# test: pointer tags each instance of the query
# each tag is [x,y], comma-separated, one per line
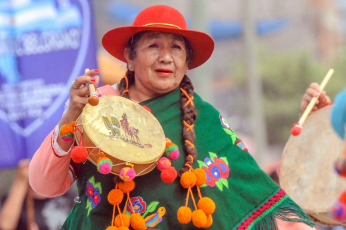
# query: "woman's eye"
[177,46]
[153,46]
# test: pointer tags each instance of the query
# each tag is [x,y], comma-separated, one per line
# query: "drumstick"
[93,99]
[297,127]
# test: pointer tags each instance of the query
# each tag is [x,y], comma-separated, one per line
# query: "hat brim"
[115,41]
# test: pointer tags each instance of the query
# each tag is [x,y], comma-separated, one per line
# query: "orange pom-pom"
[188,179]
[79,154]
[112,228]
[169,174]
[65,129]
[93,100]
[126,186]
[201,176]
[126,221]
[209,221]
[207,205]
[137,222]
[199,219]
[184,215]
[123,228]
[115,196]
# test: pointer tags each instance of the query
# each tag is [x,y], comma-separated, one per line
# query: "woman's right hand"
[311,92]
[79,94]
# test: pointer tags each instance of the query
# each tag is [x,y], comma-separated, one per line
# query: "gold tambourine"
[122,131]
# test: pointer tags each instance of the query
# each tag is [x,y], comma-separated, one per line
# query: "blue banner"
[44,46]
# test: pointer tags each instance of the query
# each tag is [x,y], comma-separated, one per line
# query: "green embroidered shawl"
[245,197]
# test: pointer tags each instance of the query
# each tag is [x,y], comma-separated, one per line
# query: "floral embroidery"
[236,140]
[232,134]
[93,192]
[138,205]
[241,145]
[217,171]
[224,123]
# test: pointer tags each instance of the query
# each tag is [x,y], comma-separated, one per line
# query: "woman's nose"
[165,55]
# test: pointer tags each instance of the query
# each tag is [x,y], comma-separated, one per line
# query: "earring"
[129,66]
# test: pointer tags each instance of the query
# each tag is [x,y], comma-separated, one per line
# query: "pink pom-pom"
[169,174]
[104,168]
[338,212]
[127,174]
[163,163]
[340,166]
[104,165]
[296,130]
[79,154]
[173,154]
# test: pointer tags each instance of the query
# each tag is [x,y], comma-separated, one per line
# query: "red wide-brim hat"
[160,18]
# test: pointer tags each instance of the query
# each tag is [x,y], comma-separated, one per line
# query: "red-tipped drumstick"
[93,99]
[297,127]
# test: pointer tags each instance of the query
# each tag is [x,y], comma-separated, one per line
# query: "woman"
[159,50]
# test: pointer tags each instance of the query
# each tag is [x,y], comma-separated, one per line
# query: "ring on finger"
[74,86]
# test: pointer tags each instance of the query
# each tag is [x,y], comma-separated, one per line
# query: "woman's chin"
[165,89]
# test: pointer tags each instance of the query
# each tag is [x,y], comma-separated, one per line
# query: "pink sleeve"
[50,173]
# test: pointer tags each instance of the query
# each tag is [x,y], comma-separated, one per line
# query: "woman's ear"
[127,54]
[128,60]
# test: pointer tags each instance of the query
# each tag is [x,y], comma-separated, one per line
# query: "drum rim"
[285,186]
[124,100]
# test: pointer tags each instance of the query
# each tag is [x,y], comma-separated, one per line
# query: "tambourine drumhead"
[124,131]
[307,169]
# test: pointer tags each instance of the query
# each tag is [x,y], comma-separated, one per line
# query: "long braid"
[189,117]
[125,83]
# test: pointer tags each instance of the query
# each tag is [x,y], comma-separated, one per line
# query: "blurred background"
[267,52]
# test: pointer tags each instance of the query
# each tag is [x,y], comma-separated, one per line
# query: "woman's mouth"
[164,72]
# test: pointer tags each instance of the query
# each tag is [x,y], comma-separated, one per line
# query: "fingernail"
[93,79]
[97,70]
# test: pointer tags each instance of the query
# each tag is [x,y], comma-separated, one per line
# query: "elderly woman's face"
[159,64]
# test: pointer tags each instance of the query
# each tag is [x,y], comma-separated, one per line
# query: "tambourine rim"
[125,100]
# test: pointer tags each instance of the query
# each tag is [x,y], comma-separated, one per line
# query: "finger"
[315,86]
[77,103]
[303,105]
[87,78]
[81,92]
[92,72]
[307,98]
[323,96]
[95,81]
[312,92]
[79,82]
